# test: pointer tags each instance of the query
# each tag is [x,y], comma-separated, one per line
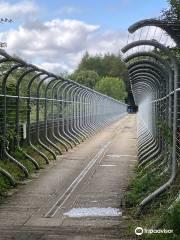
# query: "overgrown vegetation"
[104,73]
[166,133]
[172,15]
[158,214]
[15,170]
[113,87]
[142,185]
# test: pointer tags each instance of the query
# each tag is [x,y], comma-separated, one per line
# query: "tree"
[105,65]
[113,87]
[172,15]
[102,66]
[85,77]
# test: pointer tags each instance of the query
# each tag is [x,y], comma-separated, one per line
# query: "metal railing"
[43,114]
[154,78]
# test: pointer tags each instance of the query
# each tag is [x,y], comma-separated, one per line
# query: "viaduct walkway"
[78,196]
[44,117]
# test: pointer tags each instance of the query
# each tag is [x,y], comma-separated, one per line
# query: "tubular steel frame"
[155,87]
[45,114]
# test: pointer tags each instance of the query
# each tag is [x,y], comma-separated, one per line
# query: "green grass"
[170,220]
[155,214]
[36,156]
[141,185]
[15,171]
[4,184]
[23,160]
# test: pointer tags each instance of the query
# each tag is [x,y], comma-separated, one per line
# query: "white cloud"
[55,67]
[68,10]
[56,41]
[57,44]
[60,44]
[16,10]
[108,42]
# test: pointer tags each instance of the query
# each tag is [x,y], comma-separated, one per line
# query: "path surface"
[88,180]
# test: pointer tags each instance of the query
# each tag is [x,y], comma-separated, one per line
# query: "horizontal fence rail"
[42,115]
[155,82]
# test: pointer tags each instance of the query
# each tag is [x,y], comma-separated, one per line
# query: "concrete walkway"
[79,196]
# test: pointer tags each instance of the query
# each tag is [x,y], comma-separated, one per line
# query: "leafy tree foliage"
[113,87]
[104,73]
[107,65]
[172,15]
[85,77]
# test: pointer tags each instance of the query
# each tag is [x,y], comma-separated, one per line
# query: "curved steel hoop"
[43,114]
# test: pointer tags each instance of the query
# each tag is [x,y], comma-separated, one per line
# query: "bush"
[172,218]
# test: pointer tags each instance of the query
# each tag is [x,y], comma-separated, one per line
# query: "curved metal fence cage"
[154,78]
[42,114]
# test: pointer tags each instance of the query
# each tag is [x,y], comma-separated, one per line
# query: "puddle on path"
[93,212]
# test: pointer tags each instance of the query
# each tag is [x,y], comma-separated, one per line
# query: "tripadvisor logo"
[139,231]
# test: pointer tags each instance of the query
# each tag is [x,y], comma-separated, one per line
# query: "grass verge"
[15,171]
[157,214]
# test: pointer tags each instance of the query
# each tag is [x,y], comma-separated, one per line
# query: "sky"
[55,34]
